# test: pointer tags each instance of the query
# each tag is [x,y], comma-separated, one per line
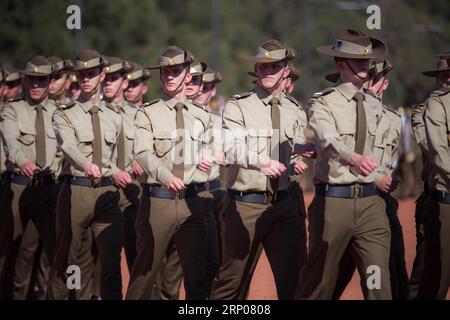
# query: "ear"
[188,77]
[102,76]
[125,84]
[67,84]
[214,92]
[287,71]
[144,89]
[385,84]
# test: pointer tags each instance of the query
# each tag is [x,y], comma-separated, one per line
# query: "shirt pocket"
[85,139]
[347,131]
[27,134]
[163,142]
[259,141]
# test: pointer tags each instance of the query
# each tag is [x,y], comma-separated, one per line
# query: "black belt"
[38,180]
[191,190]
[346,191]
[212,185]
[85,182]
[258,197]
[440,196]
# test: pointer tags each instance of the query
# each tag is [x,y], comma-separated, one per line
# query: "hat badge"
[84,64]
[107,68]
[170,62]
[35,69]
[366,51]
[266,54]
[129,76]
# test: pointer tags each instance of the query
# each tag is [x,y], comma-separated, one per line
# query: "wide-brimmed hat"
[442,66]
[198,68]
[444,54]
[10,73]
[351,44]
[380,69]
[115,64]
[272,51]
[39,66]
[211,76]
[87,59]
[60,64]
[138,72]
[173,56]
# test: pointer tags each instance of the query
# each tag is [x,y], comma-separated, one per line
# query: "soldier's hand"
[394,184]
[122,179]
[28,169]
[307,150]
[300,167]
[137,169]
[273,169]
[384,184]
[205,163]
[92,171]
[365,165]
[222,159]
[174,184]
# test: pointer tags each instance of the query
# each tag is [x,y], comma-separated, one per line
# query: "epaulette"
[64,106]
[241,95]
[391,109]
[147,104]
[15,99]
[323,93]
[443,92]
[199,106]
[292,99]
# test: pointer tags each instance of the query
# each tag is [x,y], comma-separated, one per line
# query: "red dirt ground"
[263,287]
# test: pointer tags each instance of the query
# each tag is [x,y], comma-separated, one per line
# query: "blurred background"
[222,31]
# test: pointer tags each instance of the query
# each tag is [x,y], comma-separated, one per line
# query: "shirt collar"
[263,95]
[171,102]
[348,90]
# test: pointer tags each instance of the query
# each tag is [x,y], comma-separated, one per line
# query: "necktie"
[361,127]
[40,137]
[97,142]
[121,149]
[272,184]
[178,166]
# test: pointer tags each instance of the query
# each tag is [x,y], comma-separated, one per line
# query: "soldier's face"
[380,86]
[36,87]
[12,89]
[207,92]
[89,79]
[193,87]
[135,91]
[270,73]
[174,78]
[58,81]
[113,84]
[444,79]
[349,67]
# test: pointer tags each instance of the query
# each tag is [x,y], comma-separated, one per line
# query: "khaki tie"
[121,149]
[97,143]
[361,127]
[272,184]
[178,167]
[40,137]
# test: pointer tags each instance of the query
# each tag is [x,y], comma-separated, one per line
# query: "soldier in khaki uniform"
[32,164]
[386,181]
[13,83]
[346,210]
[261,129]
[137,84]
[88,130]
[169,138]
[418,127]
[435,278]
[28,274]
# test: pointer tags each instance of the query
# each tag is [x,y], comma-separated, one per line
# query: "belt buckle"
[95,183]
[182,193]
[357,191]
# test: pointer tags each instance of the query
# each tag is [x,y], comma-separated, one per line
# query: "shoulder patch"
[15,99]
[392,110]
[63,106]
[147,104]
[242,95]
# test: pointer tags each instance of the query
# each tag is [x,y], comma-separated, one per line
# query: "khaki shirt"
[332,116]
[390,159]
[419,132]
[216,144]
[155,139]
[19,132]
[248,137]
[437,126]
[128,112]
[73,124]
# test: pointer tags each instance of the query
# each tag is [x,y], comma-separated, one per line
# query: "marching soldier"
[61,80]
[435,278]
[32,163]
[137,84]
[13,83]
[346,210]
[88,131]
[116,81]
[169,137]
[261,129]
